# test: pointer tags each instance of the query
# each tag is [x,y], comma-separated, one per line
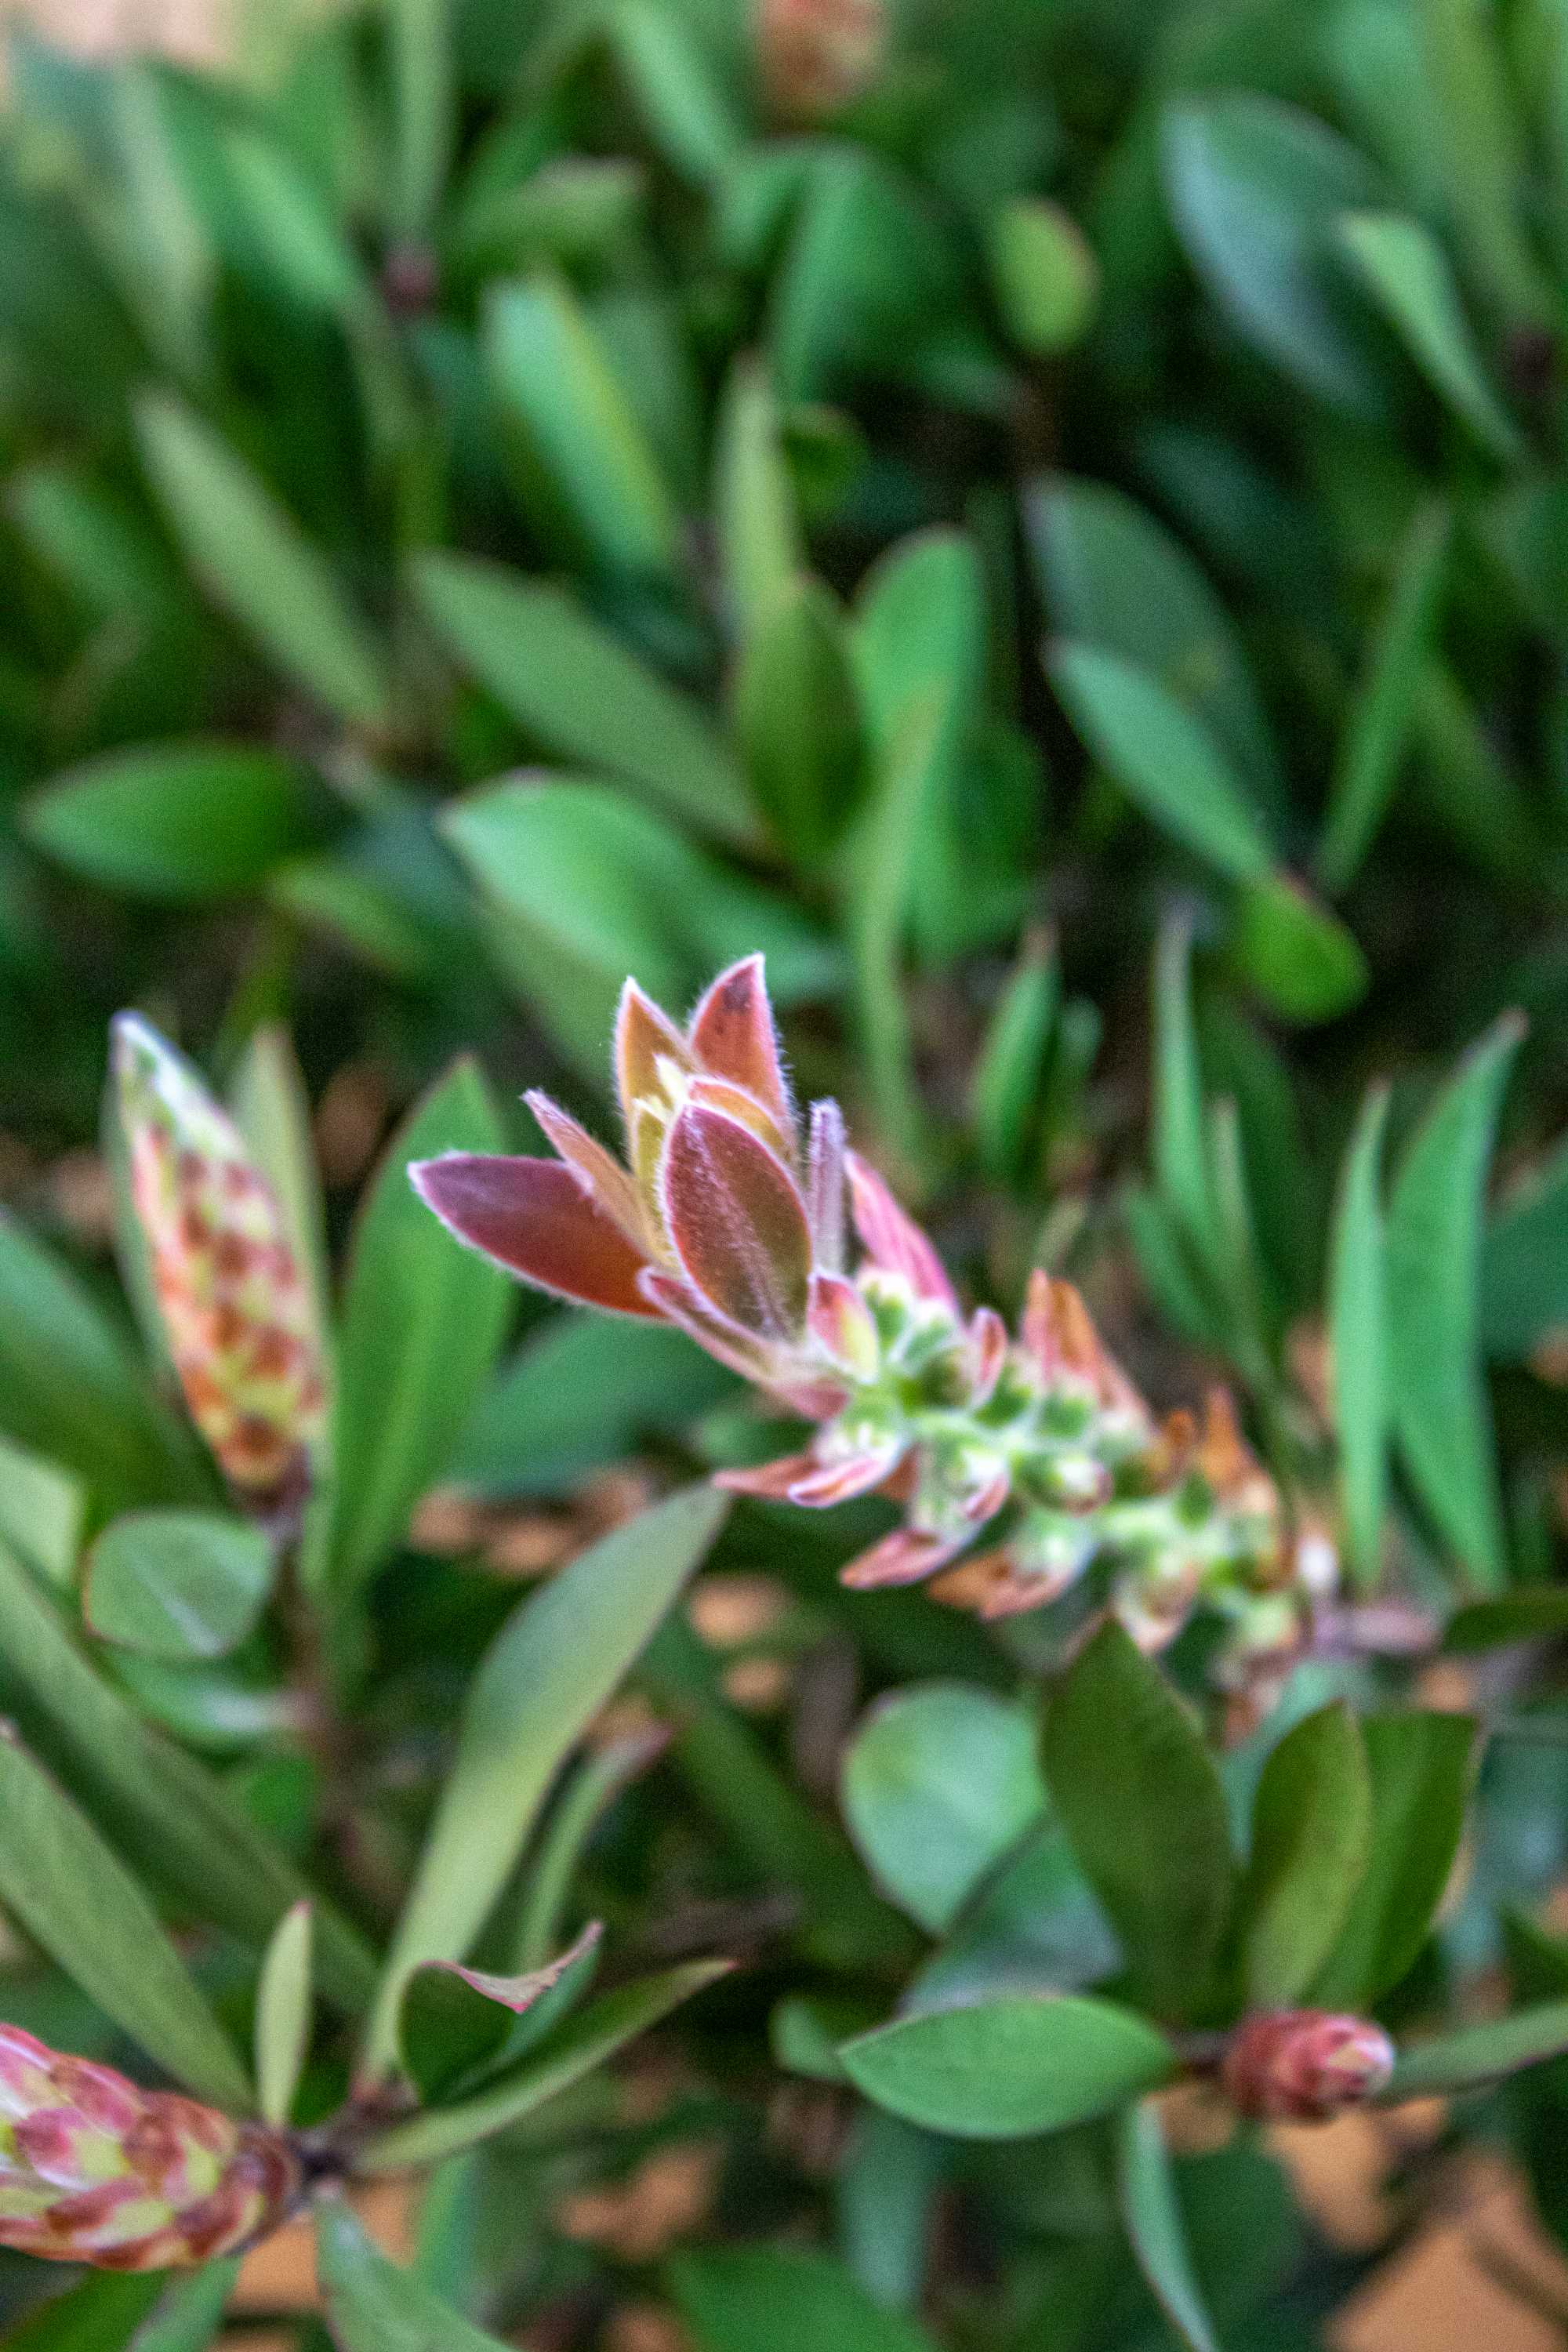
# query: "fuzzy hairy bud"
[230,1291]
[94,2169]
[1304,2065]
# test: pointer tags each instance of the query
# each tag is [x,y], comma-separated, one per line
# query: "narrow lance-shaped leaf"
[460,2023]
[1383,710]
[253,561]
[582,693]
[184,822]
[1358,1333]
[153,1799]
[75,1899]
[374,2307]
[1434,1239]
[283,1999]
[584,2042]
[1146,2192]
[1410,276]
[421,1325]
[759,533]
[1477,2055]
[776,2298]
[550,1670]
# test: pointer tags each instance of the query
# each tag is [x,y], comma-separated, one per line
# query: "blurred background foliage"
[1058,540]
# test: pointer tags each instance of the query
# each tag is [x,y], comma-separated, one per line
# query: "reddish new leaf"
[891,1239]
[732,1036]
[737,1222]
[534,1217]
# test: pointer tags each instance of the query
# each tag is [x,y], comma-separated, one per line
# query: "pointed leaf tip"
[737,1222]
[534,1217]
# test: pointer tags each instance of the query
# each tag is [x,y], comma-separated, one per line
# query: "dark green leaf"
[1529,1613]
[1421,1767]
[252,558]
[423,1324]
[457,2021]
[779,2299]
[1434,1238]
[1312,1826]
[1524,1262]
[1480,2055]
[1142,1804]
[797,719]
[581,692]
[1162,757]
[1410,276]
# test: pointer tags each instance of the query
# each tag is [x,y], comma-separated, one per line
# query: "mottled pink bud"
[230,1291]
[1304,2065]
[94,2169]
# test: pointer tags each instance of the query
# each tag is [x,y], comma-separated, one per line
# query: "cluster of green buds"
[1020,1462]
[230,1291]
[95,2169]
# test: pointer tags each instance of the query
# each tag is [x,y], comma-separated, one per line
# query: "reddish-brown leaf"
[732,1036]
[534,1217]
[736,1220]
[890,1237]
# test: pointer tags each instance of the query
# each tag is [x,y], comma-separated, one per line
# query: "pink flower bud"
[818,55]
[230,1291]
[95,2169]
[1304,2065]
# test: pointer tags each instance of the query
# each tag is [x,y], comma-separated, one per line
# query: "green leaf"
[880,869]
[1480,2055]
[422,1323]
[1162,757]
[1524,1262]
[581,693]
[1421,1766]
[424,111]
[1010,2066]
[1478,152]
[574,2050]
[1255,189]
[175,821]
[372,2305]
[1434,1239]
[1410,276]
[1312,1826]
[797,719]
[253,560]
[64,1888]
[1383,710]
[1009,1081]
[688,114]
[1113,577]
[189,2314]
[1358,1341]
[555,1662]
[780,2299]
[584,460]
[42,1510]
[761,543]
[177,1584]
[457,2021]
[283,1997]
[588,886]
[103,2314]
[1295,953]
[151,1798]
[71,1389]
[1529,1613]
[1146,2192]
[1044,275]
[1182,1166]
[1141,1800]
[937,1784]
[583,1391]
